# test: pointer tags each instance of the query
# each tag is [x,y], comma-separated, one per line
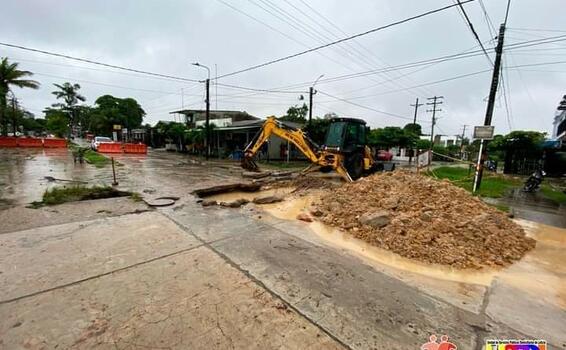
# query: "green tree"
[422,144]
[414,129]
[317,130]
[389,136]
[10,75]
[296,114]
[110,110]
[57,122]
[69,94]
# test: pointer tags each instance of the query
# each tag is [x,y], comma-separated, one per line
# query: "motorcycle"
[533,182]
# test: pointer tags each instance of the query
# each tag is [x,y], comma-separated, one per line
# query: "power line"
[96,62]
[475,34]
[275,30]
[423,84]
[307,29]
[537,30]
[490,25]
[340,41]
[507,12]
[365,107]
[261,90]
[371,59]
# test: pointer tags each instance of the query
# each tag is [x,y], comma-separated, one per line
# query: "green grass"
[96,159]
[492,185]
[553,194]
[60,195]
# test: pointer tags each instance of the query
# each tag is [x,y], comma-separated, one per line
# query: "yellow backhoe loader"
[344,151]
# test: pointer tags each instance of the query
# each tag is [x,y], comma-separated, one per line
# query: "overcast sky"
[166,36]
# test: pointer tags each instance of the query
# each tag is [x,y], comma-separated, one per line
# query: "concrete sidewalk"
[136,281]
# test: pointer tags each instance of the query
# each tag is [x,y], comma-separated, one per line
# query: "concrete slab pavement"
[136,281]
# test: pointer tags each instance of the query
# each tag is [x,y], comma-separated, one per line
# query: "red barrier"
[54,143]
[135,148]
[29,142]
[109,147]
[8,141]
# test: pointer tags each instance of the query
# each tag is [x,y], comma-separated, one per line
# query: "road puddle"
[233,196]
[541,272]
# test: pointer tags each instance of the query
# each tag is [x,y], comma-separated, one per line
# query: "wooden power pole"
[490,104]
[436,100]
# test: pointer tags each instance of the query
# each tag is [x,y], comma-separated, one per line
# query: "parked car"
[384,156]
[98,140]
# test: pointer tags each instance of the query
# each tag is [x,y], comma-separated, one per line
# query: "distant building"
[197,117]
[234,130]
[559,129]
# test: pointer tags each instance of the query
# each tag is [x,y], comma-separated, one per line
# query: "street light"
[207,123]
[312,91]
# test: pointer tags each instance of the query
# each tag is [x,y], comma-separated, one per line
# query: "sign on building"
[483,132]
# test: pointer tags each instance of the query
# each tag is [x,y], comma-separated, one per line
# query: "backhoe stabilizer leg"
[344,173]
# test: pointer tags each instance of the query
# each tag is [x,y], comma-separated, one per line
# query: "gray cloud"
[165,36]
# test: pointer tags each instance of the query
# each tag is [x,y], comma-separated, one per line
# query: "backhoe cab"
[347,136]
[344,151]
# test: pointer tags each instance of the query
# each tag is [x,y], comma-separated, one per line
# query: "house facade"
[559,124]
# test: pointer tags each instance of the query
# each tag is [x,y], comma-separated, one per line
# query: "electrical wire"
[339,41]
[96,62]
[474,33]
[365,107]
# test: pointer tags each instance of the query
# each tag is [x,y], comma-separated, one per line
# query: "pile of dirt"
[424,219]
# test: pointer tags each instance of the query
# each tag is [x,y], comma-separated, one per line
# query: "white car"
[98,140]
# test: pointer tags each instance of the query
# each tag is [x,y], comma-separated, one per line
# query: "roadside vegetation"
[492,185]
[553,194]
[60,195]
[95,158]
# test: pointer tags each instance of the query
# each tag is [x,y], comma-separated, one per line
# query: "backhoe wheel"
[355,166]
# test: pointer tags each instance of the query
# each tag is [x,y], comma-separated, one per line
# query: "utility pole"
[435,102]
[416,105]
[207,127]
[311,93]
[462,141]
[490,104]
[207,101]
[14,116]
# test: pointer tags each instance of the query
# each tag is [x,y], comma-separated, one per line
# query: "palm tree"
[10,75]
[69,93]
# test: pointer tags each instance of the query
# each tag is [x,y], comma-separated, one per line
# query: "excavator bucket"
[249,164]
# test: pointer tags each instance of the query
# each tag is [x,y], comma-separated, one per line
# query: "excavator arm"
[298,138]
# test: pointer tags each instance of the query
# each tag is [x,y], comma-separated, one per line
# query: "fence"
[10,141]
[135,148]
[109,147]
[54,143]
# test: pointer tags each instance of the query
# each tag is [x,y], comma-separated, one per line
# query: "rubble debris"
[255,175]
[234,204]
[244,187]
[267,200]
[376,219]
[208,202]
[305,217]
[425,219]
